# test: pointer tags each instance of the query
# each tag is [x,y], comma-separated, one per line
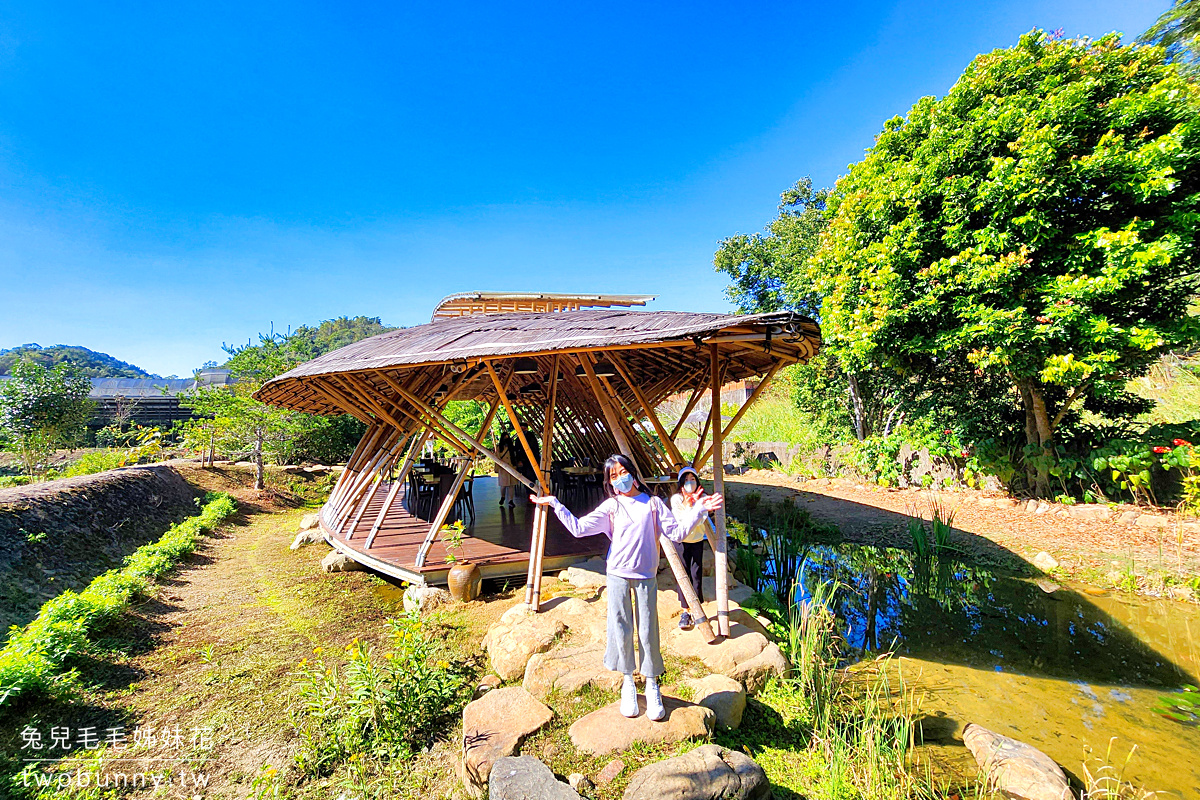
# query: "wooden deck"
[498,540]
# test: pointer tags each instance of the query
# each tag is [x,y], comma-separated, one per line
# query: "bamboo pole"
[649,412]
[459,481]
[417,443]
[443,512]
[516,423]
[758,390]
[720,557]
[459,432]
[533,592]
[687,409]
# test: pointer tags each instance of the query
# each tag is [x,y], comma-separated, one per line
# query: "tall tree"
[1035,228]
[42,410]
[1178,30]
[769,271]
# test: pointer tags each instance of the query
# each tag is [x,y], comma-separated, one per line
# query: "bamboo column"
[417,443]
[533,590]
[720,557]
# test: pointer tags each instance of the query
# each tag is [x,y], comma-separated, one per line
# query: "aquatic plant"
[1104,781]
[1182,707]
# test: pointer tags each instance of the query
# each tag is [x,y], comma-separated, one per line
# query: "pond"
[1064,668]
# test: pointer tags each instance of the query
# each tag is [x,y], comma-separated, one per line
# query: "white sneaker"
[654,701]
[629,701]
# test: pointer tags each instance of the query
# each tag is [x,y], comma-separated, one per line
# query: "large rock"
[587,574]
[307,536]
[1015,768]
[709,772]
[509,645]
[309,521]
[339,562]
[424,599]
[494,727]
[568,670]
[746,656]
[605,730]
[520,632]
[526,778]
[1045,562]
[725,696]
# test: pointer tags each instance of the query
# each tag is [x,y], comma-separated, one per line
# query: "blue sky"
[174,176]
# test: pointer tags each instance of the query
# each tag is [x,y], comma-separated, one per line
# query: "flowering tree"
[1034,229]
[42,410]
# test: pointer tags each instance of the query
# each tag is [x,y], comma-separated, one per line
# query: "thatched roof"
[456,345]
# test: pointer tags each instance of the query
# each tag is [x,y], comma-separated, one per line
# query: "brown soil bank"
[60,534]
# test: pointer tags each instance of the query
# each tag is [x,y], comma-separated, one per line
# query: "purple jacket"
[633,524]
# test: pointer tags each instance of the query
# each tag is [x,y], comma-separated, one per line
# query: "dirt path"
[210,655]
[1005,536]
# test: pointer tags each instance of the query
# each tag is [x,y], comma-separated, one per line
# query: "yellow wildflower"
[317,651]
[443,665]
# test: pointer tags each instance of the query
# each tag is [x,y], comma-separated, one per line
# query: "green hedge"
[33,657]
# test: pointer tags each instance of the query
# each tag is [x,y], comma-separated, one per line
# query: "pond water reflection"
[1060,668]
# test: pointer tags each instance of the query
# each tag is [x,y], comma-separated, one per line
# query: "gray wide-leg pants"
[622,610]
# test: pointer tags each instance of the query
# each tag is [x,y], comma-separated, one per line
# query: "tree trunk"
[1037,432]
[258,461]
[858,414]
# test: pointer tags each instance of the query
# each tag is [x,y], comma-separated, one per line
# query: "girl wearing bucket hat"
[691,549]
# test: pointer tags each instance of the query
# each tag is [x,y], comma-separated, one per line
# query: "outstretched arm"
[598,521]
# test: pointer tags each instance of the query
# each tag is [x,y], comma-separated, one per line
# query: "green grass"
[1175,390]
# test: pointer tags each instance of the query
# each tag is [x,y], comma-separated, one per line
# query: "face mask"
[623,484]
[689,486]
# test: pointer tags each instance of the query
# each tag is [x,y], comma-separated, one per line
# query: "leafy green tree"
[1178,30]
[775,270]
[233,419]
[769,271]
[237,421]
[42,410]
[334,333]
[1030,237]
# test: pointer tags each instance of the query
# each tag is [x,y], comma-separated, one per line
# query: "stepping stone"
[569,669]
[494,727]
[526,778]
[1017,769]
[306,536]
[709,772]
[746,656]
[606,731]
[510,645]
[723,695]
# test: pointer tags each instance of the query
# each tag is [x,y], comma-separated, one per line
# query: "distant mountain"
[93,364]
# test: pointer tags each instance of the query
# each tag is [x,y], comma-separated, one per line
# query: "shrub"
[387,707]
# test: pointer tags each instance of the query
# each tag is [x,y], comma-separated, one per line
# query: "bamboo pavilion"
[579,377]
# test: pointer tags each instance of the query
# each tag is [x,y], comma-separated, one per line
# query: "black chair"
[466,499]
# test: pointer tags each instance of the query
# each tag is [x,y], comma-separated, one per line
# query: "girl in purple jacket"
[633,519]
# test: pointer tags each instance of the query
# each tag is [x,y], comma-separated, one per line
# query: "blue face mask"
[624,483]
